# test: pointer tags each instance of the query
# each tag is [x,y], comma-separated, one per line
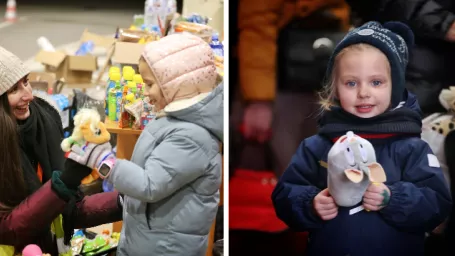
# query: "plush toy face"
[88,127]
[351,167]
[95,133]
[89,124]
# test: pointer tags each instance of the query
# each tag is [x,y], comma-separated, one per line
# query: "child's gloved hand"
[325,205]
[376,197]
[91,154]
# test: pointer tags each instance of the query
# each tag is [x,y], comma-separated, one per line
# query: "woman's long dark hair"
[12,184]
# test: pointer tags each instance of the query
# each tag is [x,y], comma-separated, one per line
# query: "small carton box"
[127,53]
[74,69]
[43,81]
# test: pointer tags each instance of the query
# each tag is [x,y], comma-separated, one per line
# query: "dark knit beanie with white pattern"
[393,39]
[12,69]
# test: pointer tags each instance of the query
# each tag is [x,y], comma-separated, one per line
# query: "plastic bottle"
[217,46]
[113,69]
[114,77]
[128,77]
[118,100]
[131,87]
[45,44]
[85,48]
[112,105]
[126,68]
[139,85]
[151,13]
[130,98]
[172,7]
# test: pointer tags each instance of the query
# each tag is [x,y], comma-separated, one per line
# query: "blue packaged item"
[79,232]
[61,100]
[85,48]
[156,29]
[217,46]
[107,186]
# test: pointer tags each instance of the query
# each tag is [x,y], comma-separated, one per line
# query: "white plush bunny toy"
[351,168]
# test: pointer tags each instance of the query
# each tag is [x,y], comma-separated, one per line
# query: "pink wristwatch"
[105,167]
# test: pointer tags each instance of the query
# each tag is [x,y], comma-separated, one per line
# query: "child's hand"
[376,197]
[325,205]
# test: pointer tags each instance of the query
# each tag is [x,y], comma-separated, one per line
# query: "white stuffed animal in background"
[351,168]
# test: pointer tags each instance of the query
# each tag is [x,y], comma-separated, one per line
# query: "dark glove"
[73,174]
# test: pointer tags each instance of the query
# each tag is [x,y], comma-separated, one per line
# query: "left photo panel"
[111,116]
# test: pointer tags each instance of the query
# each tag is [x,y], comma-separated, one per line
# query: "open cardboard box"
[42,81]
[74,69]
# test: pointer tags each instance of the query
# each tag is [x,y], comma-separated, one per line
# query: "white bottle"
[45,45]
[172,5]
[151,13]
[162,13]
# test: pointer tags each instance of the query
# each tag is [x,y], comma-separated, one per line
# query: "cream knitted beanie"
[11,70]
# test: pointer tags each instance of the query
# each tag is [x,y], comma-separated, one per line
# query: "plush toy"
[88,128]
[447,98]
[351,168]
[437,126]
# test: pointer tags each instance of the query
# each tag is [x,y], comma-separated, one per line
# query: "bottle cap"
[138,79]
[131,84]
[130,97]
[128,75]
[114,76]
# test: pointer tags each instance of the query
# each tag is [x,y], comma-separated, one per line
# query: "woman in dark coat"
[37,184]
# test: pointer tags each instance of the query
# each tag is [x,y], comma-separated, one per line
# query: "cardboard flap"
[127,53]
[98,40]
[50,78]
[82,63]
[53,59]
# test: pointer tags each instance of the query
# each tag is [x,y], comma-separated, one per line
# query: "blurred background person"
[433,56]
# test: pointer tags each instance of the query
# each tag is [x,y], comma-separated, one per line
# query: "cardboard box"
[74,69]
[43,81]
[98,40]
[127,53]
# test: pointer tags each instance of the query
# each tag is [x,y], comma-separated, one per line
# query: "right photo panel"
[341,120]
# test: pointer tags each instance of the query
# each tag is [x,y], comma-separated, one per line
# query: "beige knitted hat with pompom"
[12,69]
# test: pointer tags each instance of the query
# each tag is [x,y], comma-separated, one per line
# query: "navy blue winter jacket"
[419,202]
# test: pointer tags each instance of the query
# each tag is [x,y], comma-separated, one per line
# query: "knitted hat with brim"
[12,69]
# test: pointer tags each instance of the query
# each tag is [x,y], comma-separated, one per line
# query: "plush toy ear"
[354,175]
[377,173]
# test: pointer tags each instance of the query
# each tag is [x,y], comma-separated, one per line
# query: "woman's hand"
[91,155]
